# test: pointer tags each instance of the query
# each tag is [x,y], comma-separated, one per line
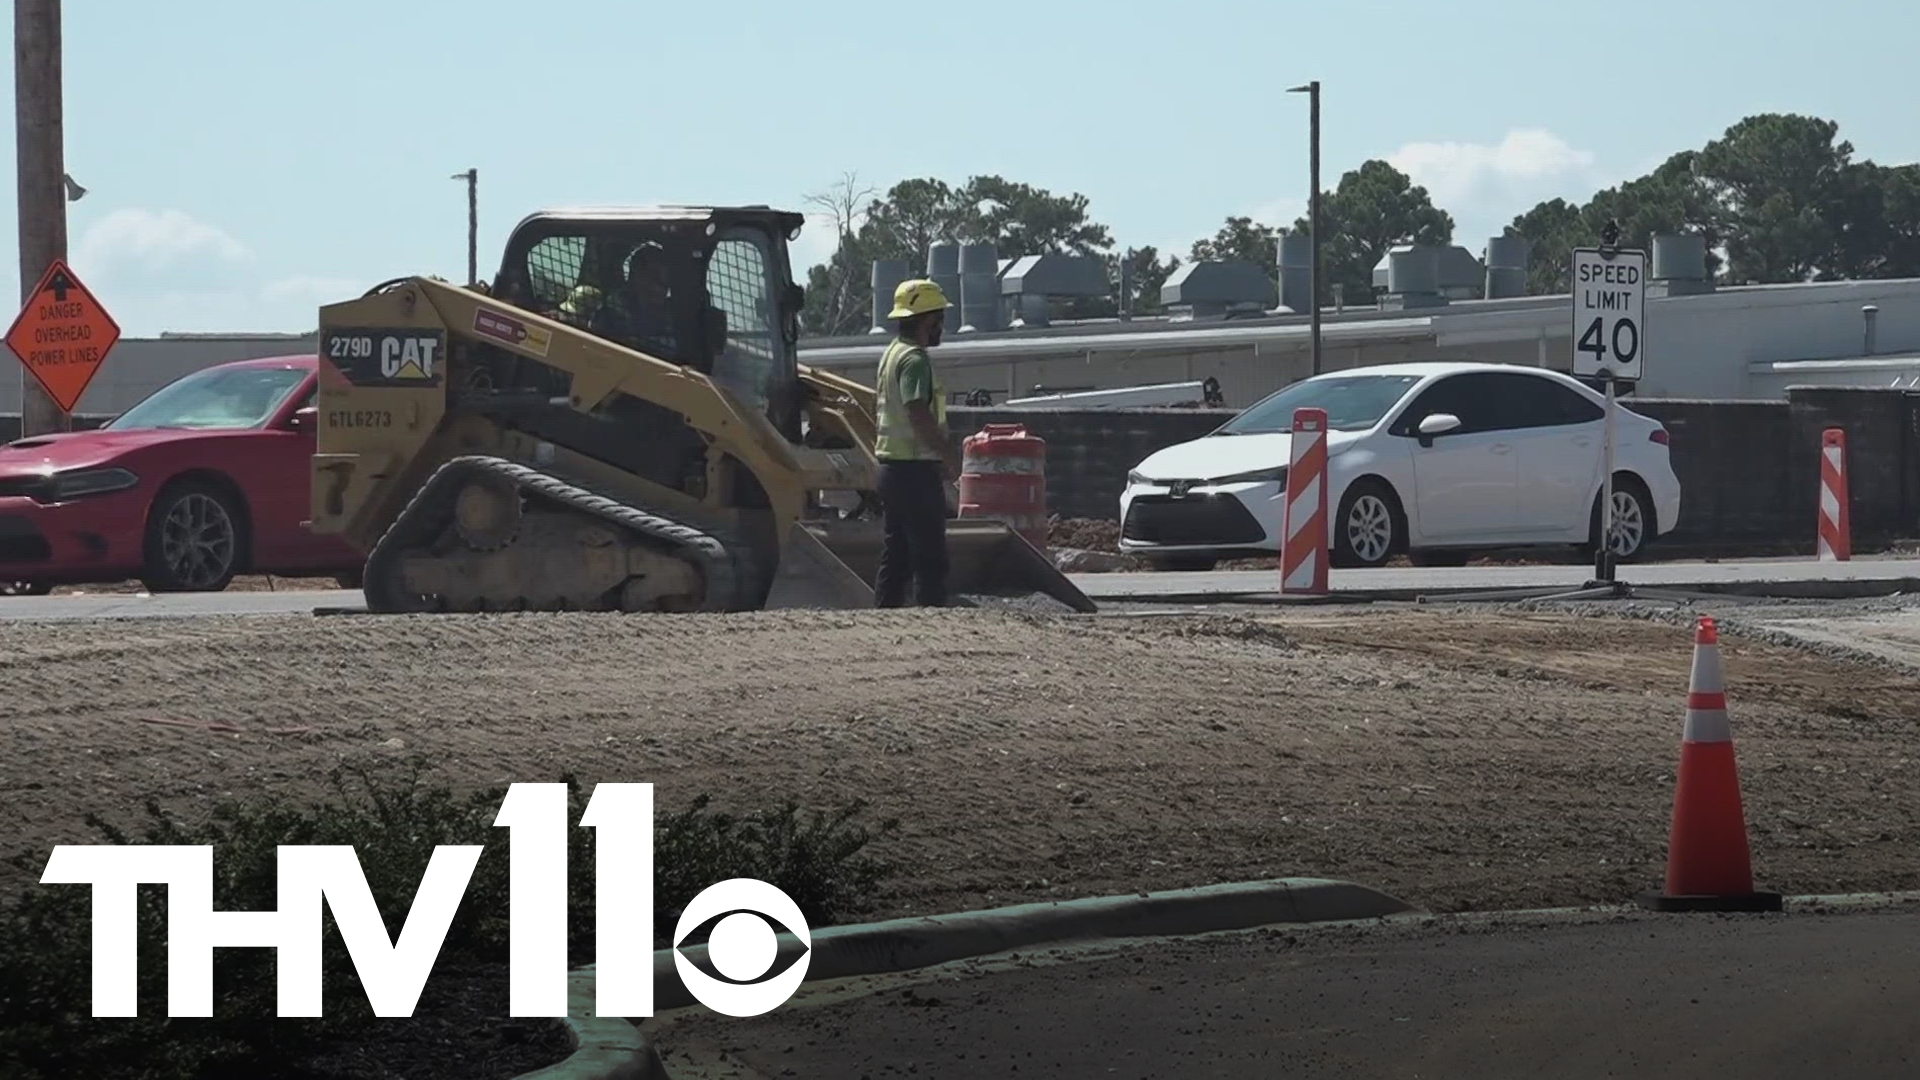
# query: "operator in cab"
[916,463]
[641,314]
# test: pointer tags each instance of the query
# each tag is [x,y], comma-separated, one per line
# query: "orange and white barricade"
[1303,549]
[1836,531]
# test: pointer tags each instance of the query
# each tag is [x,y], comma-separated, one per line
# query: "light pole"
[472,177]
[1312,90]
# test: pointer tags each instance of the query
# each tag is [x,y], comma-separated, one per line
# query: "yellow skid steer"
[617,423]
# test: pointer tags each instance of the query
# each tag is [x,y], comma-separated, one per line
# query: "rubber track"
[731,582]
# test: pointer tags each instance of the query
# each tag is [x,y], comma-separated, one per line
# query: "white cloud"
[1468,174]
[314,289]
[155,239]
[1281,213]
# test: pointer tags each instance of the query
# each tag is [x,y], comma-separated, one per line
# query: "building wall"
[1707,353]
[1246,374]
[1749,470]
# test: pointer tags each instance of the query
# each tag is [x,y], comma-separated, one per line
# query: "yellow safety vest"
[897,440]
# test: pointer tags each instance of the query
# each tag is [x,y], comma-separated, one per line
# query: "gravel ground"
[1465,760]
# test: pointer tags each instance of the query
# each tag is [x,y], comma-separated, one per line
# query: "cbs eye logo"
[742,947]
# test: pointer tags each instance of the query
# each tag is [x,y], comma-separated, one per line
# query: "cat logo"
[408,358]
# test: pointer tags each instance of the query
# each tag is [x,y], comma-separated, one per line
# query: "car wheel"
[1182,563]
[1368,529]
[194,540]
[1633,522]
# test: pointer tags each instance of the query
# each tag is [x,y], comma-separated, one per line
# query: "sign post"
[1609,335]
[1609,344]
[61,336]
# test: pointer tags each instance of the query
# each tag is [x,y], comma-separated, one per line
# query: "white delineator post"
[1303,552]
[1835,532]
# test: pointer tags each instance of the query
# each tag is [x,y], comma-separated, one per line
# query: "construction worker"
[916,462]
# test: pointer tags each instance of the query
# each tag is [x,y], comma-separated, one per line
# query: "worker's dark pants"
[913,503]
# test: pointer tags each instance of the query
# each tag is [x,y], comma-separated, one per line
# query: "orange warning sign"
[62,335]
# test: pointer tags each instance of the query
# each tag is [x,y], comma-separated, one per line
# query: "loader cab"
[710,288]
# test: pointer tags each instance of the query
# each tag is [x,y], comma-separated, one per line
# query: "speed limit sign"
[1609,305]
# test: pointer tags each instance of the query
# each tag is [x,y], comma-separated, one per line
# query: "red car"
[206,478]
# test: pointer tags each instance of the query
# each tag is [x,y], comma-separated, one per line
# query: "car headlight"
[1135,477]
[1255,476]
[60,487]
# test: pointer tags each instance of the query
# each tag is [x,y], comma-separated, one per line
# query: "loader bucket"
[834,564]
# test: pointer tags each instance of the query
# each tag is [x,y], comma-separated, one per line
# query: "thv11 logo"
[742,946]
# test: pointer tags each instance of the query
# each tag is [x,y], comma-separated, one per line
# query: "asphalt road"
[1774,997]
[1785,577]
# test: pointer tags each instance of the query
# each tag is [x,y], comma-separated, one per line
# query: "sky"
[247,161]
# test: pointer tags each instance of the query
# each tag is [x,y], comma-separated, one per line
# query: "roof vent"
[1218,290]
[1507,266]
[1035,279]
[1679,266]
[943,266]
[979,288]
[887,276]
[1413,279]
[1296,272]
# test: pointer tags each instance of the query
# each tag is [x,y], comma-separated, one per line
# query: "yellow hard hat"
[917,296]
[583,299]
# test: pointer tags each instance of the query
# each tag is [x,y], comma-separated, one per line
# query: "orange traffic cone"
[1708,864]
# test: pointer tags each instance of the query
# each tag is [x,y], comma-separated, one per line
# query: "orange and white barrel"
[1003,476]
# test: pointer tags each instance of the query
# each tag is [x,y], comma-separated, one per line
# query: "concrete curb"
[604,1047]
[1784,589]
[906,944]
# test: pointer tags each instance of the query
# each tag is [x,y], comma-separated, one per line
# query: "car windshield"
[1353,403]
[215,398]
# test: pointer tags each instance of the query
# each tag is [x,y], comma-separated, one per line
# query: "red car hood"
[82,449]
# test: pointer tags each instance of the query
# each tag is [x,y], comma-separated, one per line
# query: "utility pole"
[41,170]
[472,177]
[1312,90]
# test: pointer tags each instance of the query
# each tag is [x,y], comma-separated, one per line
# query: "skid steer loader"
[616,423]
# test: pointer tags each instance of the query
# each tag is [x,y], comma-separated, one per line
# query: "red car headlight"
[59,487]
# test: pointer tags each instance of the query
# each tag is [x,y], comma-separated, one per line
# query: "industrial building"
[1704,339]
[1231,323]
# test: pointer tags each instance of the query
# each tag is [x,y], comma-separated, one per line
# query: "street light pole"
[1312,90]
[472,177]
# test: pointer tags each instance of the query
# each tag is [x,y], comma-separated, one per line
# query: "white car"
[1433,460]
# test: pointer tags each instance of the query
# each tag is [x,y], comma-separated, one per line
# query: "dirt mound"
[1462,760]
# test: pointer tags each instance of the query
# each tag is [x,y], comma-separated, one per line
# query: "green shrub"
[394,824]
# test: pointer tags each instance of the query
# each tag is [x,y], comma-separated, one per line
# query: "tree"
[1779,193]
[1375,208]
[1244,239]
[835,288]
[1779,182]
[1018,219]
[1149,274]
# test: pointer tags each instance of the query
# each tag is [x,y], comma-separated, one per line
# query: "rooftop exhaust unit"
[1678,266]
[943,266]
[1420,276]
[1218,290]
[979,297]
[1296,273]
[887,276]
[1035,279]
[1507,266]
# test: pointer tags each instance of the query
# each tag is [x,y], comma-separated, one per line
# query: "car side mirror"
[1437,424]
[303,419]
